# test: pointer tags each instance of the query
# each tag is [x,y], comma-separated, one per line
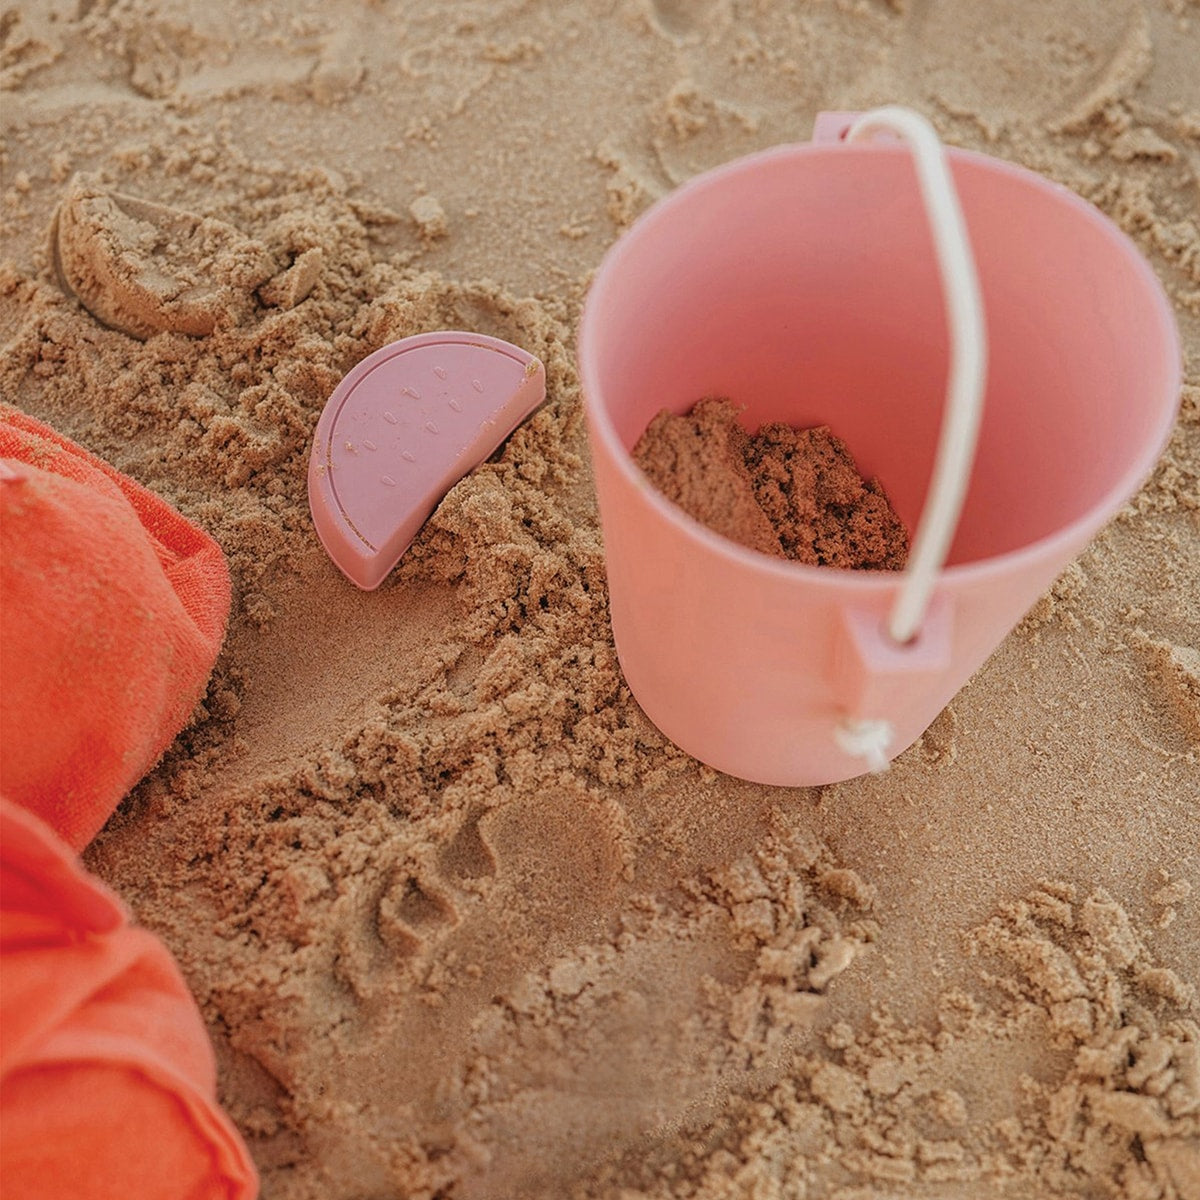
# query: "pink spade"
[401,430]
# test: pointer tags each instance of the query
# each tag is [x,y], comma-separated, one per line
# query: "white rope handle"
[968,363]
[869,738]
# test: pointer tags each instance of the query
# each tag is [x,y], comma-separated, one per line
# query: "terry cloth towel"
[107,1079]
[112,611]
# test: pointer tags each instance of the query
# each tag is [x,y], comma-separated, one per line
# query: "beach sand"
[461,922]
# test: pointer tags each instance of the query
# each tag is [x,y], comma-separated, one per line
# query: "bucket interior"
[803,286]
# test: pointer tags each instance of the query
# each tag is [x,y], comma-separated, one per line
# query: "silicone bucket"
[801,282]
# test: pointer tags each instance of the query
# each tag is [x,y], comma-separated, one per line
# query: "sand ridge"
[460,920]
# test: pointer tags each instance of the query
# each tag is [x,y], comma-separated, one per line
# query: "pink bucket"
[801,283]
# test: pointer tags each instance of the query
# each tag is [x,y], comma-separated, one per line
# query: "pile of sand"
[792,493]
[460,920]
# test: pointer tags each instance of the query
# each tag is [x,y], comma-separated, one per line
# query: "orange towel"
[112,610]
[107,1079]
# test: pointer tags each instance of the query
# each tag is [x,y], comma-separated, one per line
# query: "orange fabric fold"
[107,1079]
[112,611]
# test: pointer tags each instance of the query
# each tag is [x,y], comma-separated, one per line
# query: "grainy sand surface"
[461,922]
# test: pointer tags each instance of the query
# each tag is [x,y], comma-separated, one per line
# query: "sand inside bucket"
[793,493]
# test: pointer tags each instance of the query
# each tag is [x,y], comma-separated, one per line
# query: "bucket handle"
[968,363]
[869,738]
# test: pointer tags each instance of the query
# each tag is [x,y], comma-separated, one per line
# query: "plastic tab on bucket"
[835,127]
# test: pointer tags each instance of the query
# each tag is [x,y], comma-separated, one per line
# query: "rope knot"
[866,738]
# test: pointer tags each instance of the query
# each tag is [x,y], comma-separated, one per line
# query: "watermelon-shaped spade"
[401,430]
